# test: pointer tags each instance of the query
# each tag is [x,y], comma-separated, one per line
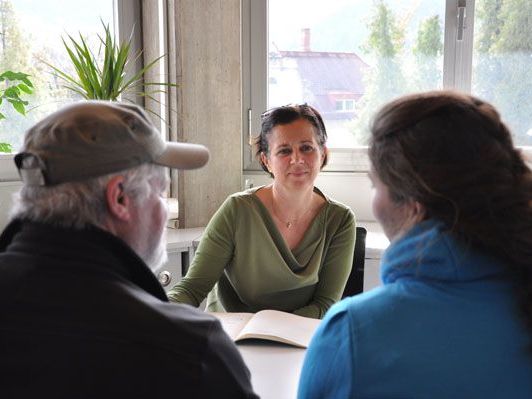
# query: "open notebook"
[272,325]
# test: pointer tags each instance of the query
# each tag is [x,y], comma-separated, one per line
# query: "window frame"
[127,14]
[457,74]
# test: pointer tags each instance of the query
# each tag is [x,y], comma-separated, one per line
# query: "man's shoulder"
[176,325]
[188,320]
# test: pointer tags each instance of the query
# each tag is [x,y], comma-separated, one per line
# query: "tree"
[427,52]
[16,55]
[489,16]
[502,72]
[385,44]
[13,57]
[384,79]
[13,46]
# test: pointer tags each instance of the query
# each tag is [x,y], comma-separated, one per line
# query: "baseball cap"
[94,138]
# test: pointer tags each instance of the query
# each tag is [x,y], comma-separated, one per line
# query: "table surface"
[182,238]
[275,367]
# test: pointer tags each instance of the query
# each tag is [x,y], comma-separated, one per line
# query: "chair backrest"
[355,282]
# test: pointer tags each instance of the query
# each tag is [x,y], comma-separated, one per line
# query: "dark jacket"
[82,316]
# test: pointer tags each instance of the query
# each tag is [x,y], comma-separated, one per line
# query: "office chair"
[355,282]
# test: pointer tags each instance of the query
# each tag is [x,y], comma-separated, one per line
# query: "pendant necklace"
[289,223]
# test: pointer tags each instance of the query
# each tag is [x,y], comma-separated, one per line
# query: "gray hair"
[78,204]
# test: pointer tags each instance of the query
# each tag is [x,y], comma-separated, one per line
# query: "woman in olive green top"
[285,246]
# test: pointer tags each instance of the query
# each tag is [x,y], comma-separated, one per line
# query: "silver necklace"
[289,223]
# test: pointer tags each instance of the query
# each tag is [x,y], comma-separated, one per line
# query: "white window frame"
[457,72]
[127,14]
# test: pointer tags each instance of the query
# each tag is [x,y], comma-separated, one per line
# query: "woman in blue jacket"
[453,318]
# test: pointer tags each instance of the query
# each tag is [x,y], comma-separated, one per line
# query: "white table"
[275,368]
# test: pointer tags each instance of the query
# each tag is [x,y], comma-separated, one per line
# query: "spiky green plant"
[96,81]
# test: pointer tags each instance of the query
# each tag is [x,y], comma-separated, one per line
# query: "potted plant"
[13,85]
[105,80]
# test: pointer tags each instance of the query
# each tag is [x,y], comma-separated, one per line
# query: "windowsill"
[348,160]
[8,171]
[356,159]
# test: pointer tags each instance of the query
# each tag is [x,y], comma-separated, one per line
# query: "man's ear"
[118,202]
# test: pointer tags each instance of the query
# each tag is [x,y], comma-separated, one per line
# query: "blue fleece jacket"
[444,325]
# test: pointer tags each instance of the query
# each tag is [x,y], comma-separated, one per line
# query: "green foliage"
[18,52]
[385,80]
[13,85]
[428,51]
[516,29]
[489,17]
[386,36]
[502,71]
[107,81]
[14,49]
[429,42]
[6,147]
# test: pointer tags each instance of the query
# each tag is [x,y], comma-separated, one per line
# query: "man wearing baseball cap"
[81,313]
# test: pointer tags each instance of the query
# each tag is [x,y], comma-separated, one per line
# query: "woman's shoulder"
[247,195]
[331,202]
[336,208]
[241,200]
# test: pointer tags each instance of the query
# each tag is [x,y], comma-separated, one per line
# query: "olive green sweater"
[244,264]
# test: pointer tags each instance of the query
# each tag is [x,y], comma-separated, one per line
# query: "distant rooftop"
[327,79]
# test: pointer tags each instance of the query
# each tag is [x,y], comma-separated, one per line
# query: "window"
[344,105]
[347,58]
[31,35]
[502,61]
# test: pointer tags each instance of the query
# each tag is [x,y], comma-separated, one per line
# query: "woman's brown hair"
[453,154]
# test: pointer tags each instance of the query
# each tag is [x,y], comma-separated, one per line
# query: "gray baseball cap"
[94,138]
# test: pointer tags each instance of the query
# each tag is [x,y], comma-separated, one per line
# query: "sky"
[340,25]
[48,20]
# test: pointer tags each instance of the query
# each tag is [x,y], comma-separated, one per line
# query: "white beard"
[157,256]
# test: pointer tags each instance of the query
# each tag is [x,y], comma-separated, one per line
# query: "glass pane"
[31,34]
[502,62]
[348,57]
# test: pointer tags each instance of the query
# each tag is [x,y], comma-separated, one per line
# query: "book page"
[280,326]
[233,323]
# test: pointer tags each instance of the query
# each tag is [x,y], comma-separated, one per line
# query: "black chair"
[355,282]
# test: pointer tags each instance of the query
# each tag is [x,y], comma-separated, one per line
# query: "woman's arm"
[334,271]
[212,256]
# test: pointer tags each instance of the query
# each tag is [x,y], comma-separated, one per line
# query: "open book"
[272,325]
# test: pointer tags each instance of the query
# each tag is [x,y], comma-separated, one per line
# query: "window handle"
[250,133]
[461,19]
